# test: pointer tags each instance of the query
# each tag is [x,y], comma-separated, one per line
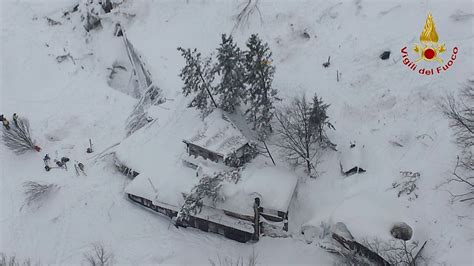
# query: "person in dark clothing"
[5,123]
[46,159]
[64,160]
[81,166]
[15,119]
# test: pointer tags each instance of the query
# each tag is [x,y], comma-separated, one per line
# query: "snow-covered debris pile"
[402,231]
[352,159]
[363,229]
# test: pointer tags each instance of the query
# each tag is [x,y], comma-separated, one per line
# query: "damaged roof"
[218,134]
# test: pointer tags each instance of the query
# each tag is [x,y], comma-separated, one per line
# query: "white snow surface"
[273,185]
[376,102]
[352,157]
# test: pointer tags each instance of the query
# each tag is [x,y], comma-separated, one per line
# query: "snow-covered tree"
[260,94]
[301,125]
[319,120]
[18,138]
[230,67]
[198,76]
[237,161]
[90,11]
[208,188]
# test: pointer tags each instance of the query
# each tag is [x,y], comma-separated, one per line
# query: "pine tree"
[18,138]
[259,77]
[231,69]
[197,76]
[208,188]
[319,118]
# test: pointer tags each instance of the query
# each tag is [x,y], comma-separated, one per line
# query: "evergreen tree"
[17,137]
[259,77]
[319,118]
[231,69]
[208,188]
[197,75]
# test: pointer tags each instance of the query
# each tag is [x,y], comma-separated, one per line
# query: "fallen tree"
[17,137]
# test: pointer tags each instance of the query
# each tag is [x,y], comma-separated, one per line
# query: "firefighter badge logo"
[429,50]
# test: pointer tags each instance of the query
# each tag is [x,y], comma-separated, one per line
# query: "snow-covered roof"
[164,176]
[218,216]
[274,186]
[218,134]
[352,156]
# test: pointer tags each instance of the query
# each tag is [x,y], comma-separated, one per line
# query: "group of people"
[6,123]
[62,163]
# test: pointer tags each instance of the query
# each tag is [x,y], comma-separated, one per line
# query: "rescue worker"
[46,159]
[81,166]
[63,162]
[15,119]
[5,123]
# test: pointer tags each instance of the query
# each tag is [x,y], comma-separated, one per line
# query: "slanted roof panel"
[218,134]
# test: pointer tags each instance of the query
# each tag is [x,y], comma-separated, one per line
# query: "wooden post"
[256,210]
[90,150]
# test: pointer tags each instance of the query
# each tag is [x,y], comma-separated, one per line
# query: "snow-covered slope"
[375,103]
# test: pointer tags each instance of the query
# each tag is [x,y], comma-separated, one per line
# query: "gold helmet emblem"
[429,49]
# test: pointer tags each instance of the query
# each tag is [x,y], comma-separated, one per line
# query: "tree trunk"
[268,151]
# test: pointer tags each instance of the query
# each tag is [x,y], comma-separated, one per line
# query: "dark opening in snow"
[385,55]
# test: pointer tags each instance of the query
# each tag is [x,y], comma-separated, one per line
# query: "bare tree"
[464,175]
[18,138]
[302,127]
[99,256]
[248,9]
[396,252]
[461,116]
[406,185]
[36,192]
[252,260]
[13,261]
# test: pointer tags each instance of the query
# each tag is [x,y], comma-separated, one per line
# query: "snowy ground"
[374,103]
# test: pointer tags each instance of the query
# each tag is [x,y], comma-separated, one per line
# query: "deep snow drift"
[375,103]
